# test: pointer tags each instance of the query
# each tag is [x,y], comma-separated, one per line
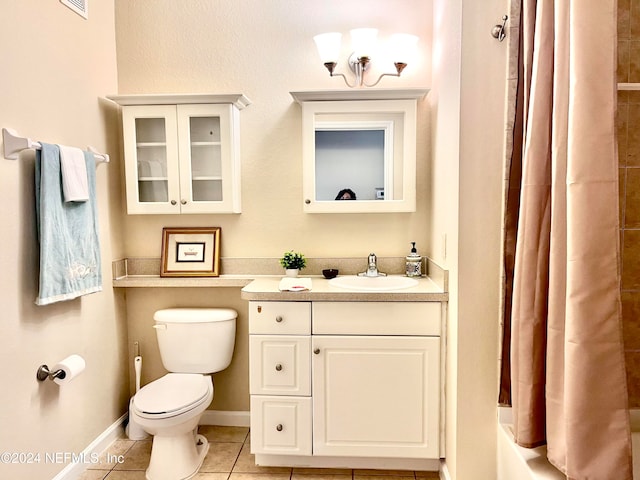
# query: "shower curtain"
[568,384]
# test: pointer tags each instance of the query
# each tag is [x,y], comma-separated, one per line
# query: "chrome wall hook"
[499,31]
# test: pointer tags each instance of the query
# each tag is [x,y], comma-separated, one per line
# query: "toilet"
[193,342]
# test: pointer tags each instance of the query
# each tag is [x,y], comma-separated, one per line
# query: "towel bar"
[14,144]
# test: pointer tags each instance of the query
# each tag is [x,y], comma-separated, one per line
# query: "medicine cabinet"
[362,142]
[181,152]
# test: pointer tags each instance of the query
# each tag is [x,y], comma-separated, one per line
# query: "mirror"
[363,149]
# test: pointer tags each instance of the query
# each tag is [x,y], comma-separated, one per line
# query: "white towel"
[74,174]
[294,284]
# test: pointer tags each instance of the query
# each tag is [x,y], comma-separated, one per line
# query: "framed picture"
[190,252]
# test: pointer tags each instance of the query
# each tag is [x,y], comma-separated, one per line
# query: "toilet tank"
[196,340]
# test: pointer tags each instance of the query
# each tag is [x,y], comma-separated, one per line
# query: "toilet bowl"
[193,343]
[170,409]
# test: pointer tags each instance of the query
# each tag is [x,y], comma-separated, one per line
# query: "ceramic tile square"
[372,472]
[632,360]
[624,18]
[259,476]
[330,471]
[631,260]
[633,135]
[383,477]
[120,447]
[221,457]
[634,17]
[246,464]
[215,433]
[137,457]
[426,474]
[210,476]
[631,320]
[632,198]
[320,476]
[622,126]
[624,53]
[622,183]
[126,475]
[634,61]
[93,475]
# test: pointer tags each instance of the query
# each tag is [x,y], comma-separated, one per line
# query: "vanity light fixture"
[363,42]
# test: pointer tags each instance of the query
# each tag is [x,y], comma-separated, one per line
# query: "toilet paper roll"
[72,366]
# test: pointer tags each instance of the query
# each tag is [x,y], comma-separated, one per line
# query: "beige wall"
[264,50]
[55,68]
[468,103]
[231,385]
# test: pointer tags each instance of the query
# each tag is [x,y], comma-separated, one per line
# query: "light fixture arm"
[399,67]
[331,67]
[359,65]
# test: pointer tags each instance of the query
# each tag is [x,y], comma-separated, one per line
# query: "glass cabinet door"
[151,151]
[205,160]
[151,159]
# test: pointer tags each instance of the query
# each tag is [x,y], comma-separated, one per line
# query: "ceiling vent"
[81,7]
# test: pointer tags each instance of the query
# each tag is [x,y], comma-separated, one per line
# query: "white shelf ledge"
[629,86]
[236,99]
[360,94]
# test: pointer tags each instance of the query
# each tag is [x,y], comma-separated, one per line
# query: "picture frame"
[190,252]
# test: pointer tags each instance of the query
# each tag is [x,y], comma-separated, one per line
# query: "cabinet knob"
[173,202]
[279,318]
[183,202]
[316,351]
[278,368]
[307,201]
[279,427]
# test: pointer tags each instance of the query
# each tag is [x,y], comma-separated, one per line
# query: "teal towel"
[68,232]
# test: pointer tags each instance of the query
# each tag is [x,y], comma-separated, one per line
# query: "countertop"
[266,288]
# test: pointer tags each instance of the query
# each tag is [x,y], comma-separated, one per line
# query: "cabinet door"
[280,365]
[209,170]
[376,396]
[151,159]
[281,425]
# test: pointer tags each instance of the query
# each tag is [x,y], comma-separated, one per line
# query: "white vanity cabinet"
[181,153]
[374,391]
[280,377]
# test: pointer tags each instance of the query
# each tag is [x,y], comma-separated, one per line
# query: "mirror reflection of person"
[346,194]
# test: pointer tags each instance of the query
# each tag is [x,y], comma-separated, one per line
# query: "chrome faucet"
[372,268]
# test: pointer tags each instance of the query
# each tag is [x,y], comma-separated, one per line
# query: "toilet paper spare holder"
[43,373]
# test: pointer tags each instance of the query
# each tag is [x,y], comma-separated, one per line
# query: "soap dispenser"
[413,262]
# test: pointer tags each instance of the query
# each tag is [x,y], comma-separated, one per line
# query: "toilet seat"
[172,395]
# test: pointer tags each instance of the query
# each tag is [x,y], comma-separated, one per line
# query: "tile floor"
[229,458]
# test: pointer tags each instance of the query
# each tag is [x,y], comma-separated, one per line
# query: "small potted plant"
[293,262]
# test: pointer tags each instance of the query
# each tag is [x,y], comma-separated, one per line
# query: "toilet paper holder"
[43,373]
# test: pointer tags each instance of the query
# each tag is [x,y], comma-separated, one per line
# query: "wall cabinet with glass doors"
[181,153]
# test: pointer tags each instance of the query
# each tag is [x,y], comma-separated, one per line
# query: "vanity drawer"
[280,365]
[377,318]
[281,425]
[292,318]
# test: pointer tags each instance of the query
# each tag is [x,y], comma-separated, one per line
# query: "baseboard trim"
[226,419]
[73,470]
[444,471]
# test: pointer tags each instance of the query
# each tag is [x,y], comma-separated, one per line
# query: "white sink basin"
[378,284]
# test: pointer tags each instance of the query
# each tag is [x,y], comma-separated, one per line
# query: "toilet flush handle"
[160,326]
